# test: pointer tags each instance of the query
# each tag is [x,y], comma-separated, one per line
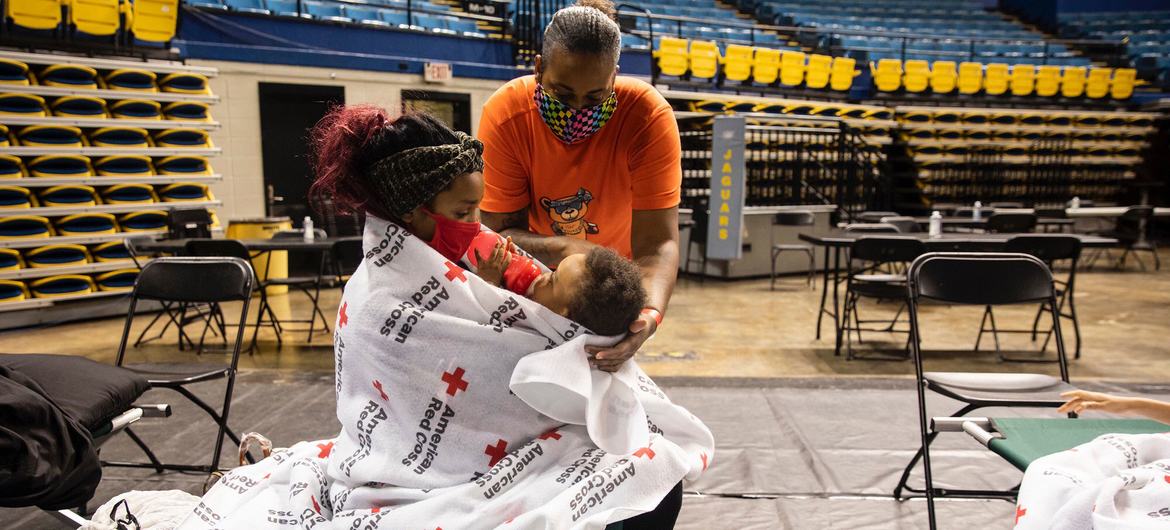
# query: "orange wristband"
[656,314]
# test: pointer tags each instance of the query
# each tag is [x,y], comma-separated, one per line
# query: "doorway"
[287,113]
[450,108]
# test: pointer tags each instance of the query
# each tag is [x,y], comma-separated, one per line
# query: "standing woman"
[577,156]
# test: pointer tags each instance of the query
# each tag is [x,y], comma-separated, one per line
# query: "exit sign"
[437,72]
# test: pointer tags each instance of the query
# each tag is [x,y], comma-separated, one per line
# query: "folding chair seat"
[50,256]
[842,73]
[234,249]
[129,194]
[79,107]
[85,224]
[766,66]
[33,14]
[136,109]
[818,71]
[134,79]
[792,219]
[95,17]
[13,72]
[68,195]
[970,79]
[60,166]
[887,76]
[187,111]
[184,83]
[110,251]
[792,68]
[154,20]
[143,221]
[915,76]
[737,62]
[979,279]
[68,75]
[61,286]
[1122,85]
[184,192]
[27,105]
[10,260]
[183,165]
[50,136]
[1047,80]
[124,137]
[13,291]
[15,198]
[25,227]
[116,280]
[1097,85]
[995,80]
[943,77]
[867,281]
[1023,80]
[1072,83]
[182,138]
[1133,232]
[704,59]
[124,166]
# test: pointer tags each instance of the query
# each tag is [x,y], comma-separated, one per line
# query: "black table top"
[946,241]
[258,245]
[969,222]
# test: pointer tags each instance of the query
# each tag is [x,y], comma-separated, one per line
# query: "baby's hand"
[492,268]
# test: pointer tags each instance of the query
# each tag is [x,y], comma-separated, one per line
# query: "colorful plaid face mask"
[569,124]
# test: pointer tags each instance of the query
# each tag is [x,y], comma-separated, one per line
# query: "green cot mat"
[1026,439]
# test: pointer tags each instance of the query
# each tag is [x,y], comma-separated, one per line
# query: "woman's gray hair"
[587,28]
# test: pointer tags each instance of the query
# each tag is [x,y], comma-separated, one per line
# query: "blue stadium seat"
[284,8]
[324,11]
[247,6]
[364,15]
[208,4]
[394,18]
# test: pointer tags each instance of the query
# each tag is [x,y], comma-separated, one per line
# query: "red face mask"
[452,238]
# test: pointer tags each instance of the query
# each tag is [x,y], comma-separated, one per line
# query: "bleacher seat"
[943,77]
[50,136]
[182,138]
[791,68]
[15,198]
[365,15]
[154,20]
[136,109]
[50,256]
[247,6]
[63,285]
[672,56]
[131,79]
[995,79]
[69,76]
[187,111]
[183,165]
[85,224]
[915,75]
[1097,86]
[818,71]
[124,166]
[148,220]
[887,76]
[33,14]
[68,195]
[184,83]
[184,192]
[737,62]
[11,167]
[29,105]
[95,17]
[704,59]
[1072,83]
[129,194]
[843,71]
[58,166]
[79,107]
[324,11]
[970,79]
[284,8]
[13,72]
[1122,85]
[1023,80]
[110,251]
[123,137]
[766,66]
[1047,80]
[25,226]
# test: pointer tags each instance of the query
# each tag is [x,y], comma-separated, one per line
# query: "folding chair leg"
[812,265]
[219,419]
[158,466]
[772,275]
[903,481]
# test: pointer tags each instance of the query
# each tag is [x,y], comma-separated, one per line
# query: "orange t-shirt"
[589,189]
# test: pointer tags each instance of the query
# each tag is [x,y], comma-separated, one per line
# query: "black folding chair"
[347,255]
[905,225]
[189,223]
[190,280]
[868,256]
[873,216]
[1049,248]
[1133,231]
[698,237]
[1011,223]
[977,279]
[792,219]
[179,315]
[234,249]
[310,285]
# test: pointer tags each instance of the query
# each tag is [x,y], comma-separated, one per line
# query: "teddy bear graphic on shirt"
[568,214]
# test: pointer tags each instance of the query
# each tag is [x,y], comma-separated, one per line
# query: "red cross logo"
[704,457]
[645,451]
[316,507]
[268,475]
[1020,512]
[375,509]
[343,318]
[454,381]
[381,393]
[325,450]
[1166,478]
[497,452]
[454,271]
[551,434]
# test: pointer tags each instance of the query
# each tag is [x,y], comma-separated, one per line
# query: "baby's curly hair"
[610,296]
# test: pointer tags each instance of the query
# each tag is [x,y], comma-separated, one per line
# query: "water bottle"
[935,224]
[1075,202]
[309,232]
[977,213]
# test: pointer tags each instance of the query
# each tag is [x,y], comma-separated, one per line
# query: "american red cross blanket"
[463,405]
[1115,481]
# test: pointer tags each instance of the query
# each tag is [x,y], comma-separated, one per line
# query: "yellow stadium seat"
[136,109]
[60,286]
[110,251]
[58,166]
[737,62]
[185,192]
[672,56]
[68,76]
[1072,84]
[15,197]
[95,17]
[148,220]
[79,107]
[791,68]
[183,165]
[943,77]
[13,72]
[124,166]
[154,20]
[27,105]
[118,280]
[68,195]
[915,75]
[1023,80]
[766,66]
[189,137]
[1097,86]
[1122,86]
[970,77]
[50,136]
[25,226]
[10,260]
[50,256]
[704,58]
[130,194]
[124,137]
[131,79]
[12,291]
[33,14]
[818,71]
[1047,80]
[843,71]
[196,111]
[11,167]
[86,224]
[887,77]
[184,83]
[995,79]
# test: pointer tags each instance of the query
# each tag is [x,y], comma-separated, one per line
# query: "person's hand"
[1081,400]
[491,269]
[610,359]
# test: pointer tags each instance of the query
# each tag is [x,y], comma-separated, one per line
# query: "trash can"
[275,263]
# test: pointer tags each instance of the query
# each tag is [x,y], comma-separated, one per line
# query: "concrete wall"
[238,112]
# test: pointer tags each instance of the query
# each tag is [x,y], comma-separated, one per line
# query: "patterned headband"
[408,179]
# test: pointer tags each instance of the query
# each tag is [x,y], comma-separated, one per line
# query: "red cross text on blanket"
[409,313]
[429,436]
[504,473]
[454,271]
[370,418]
[593,491]
[454,381]
[388,248]
[496,452]
[551,434]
